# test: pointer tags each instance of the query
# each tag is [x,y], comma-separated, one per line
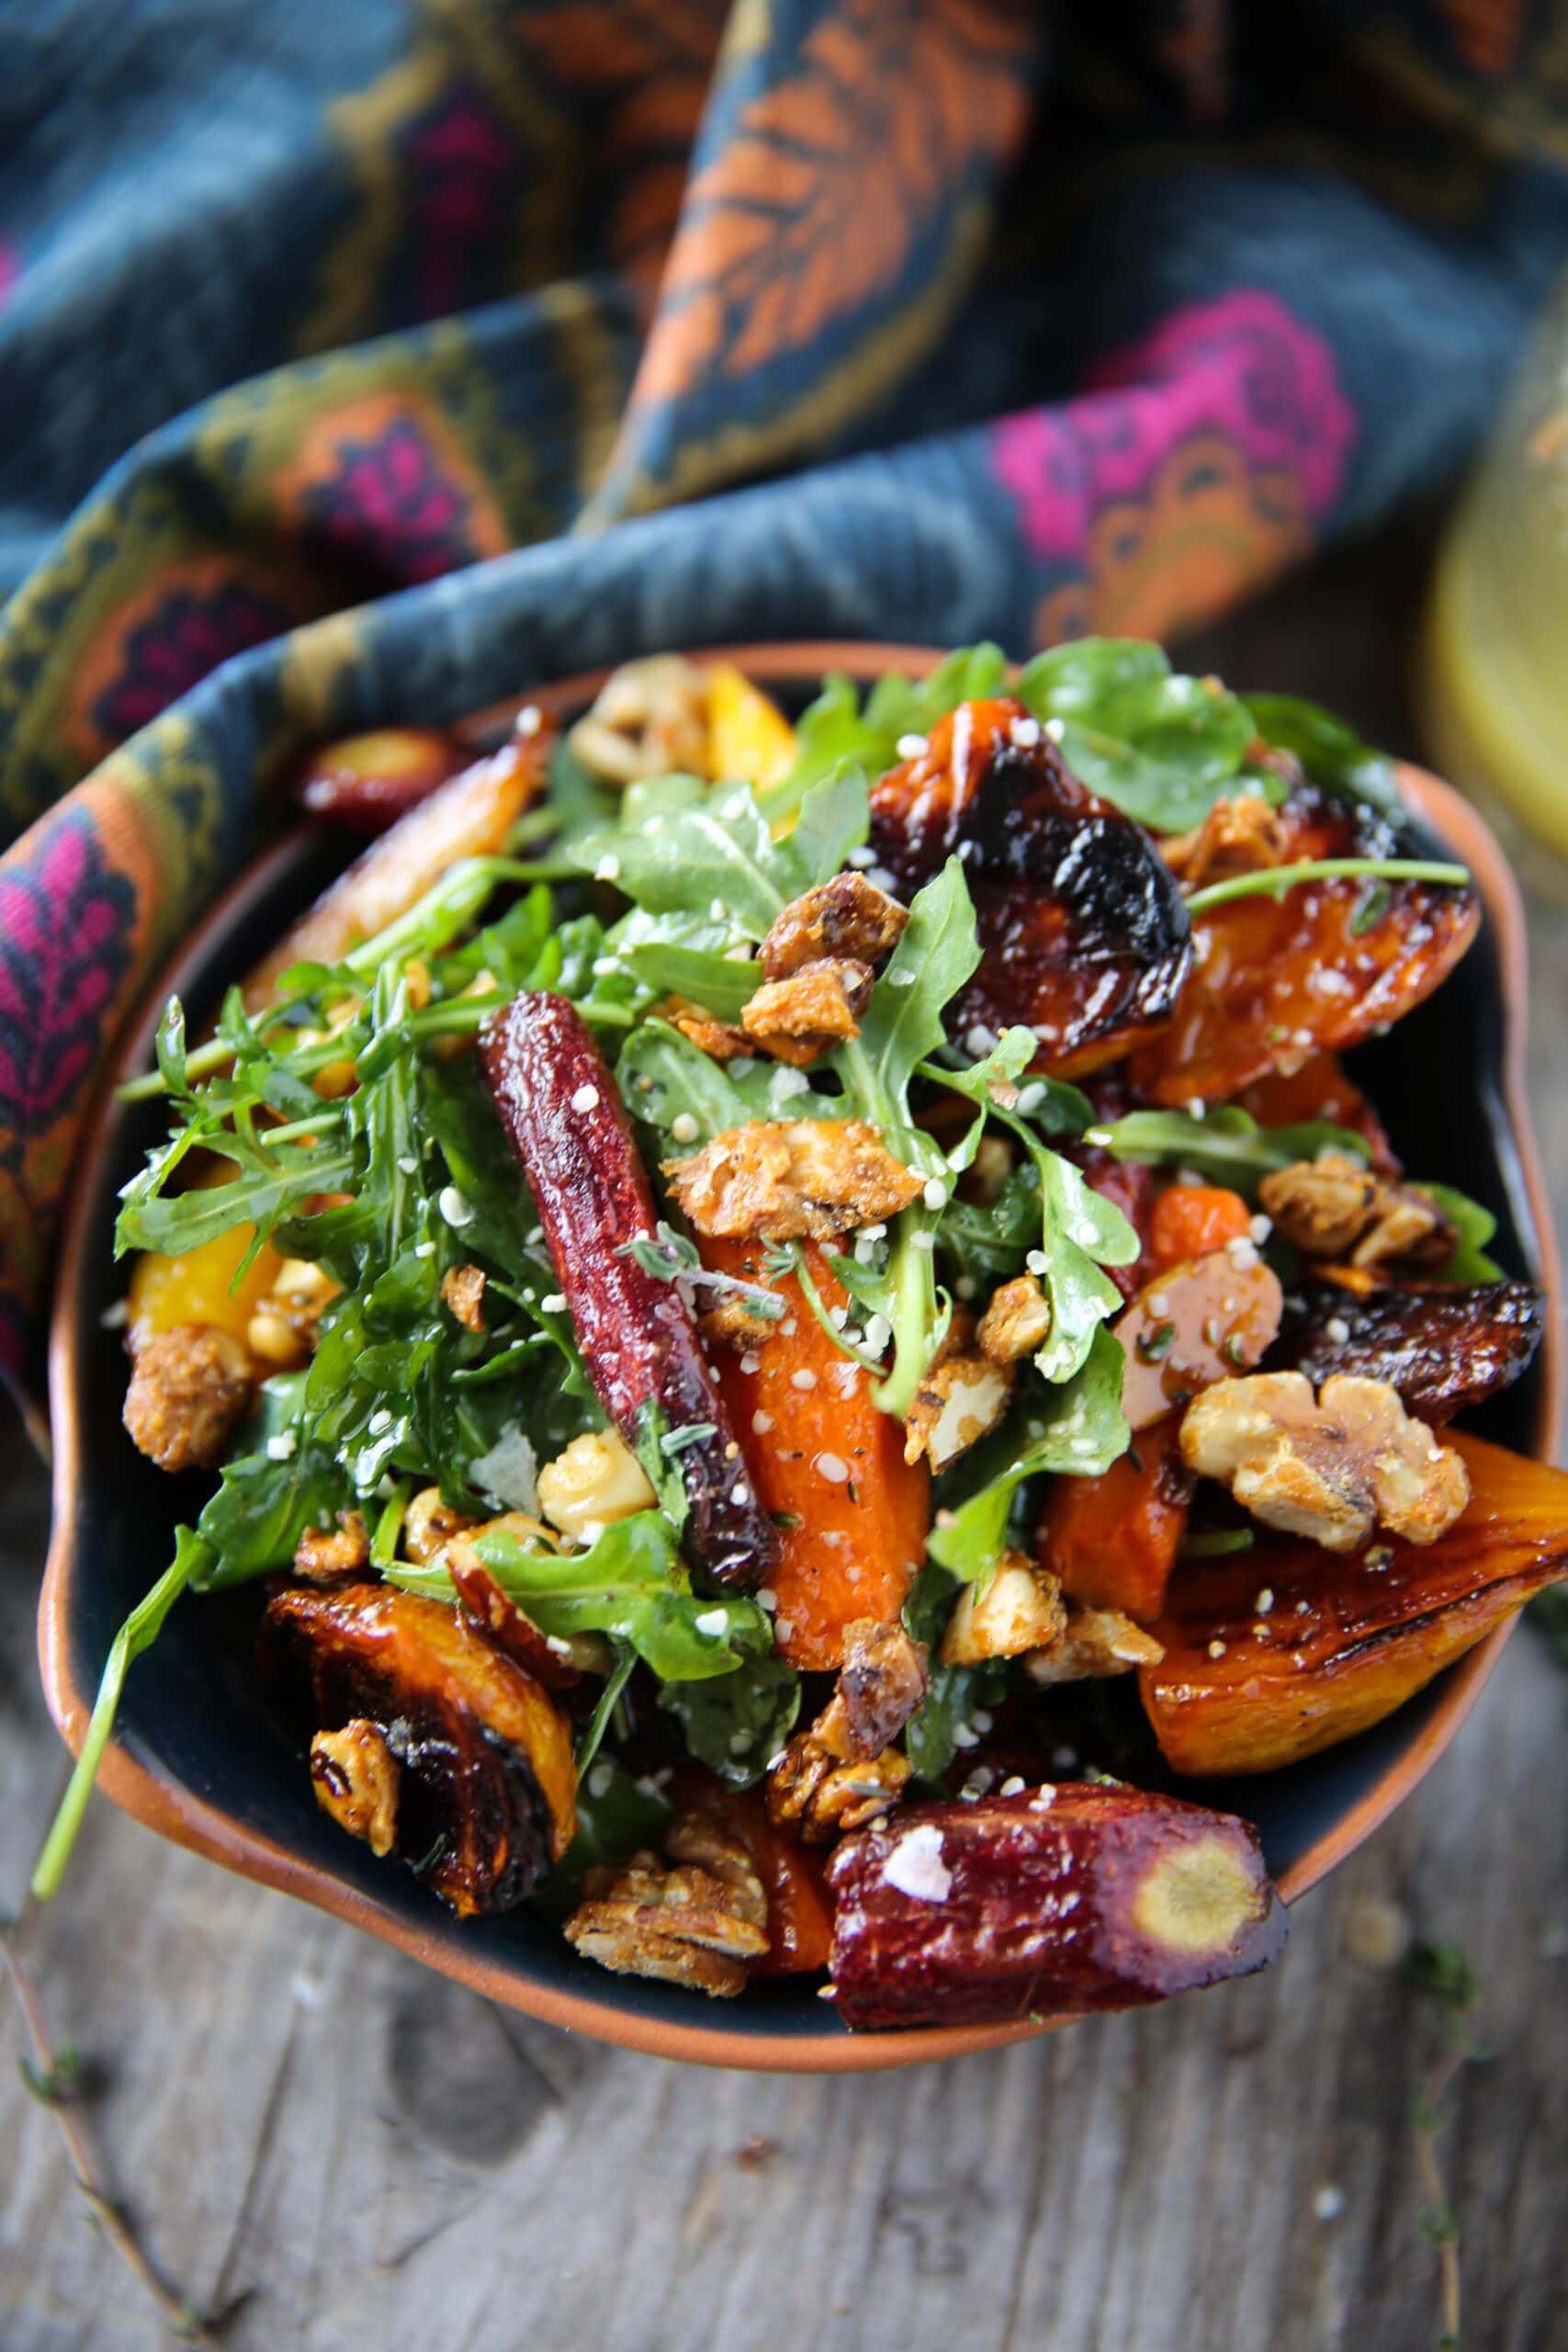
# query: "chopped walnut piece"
[1334,1208]
[429,1525]
[695,1924]
[846,917]
[331,1555]
[357,1777]
[735,1322]
[881,1683]
[810,1791]
[1020,1609]
[959,1401]
[1238,836]
[714,1038]
[650,719]
[190,1389]
[462,1293]
[799,1019]
[1329,1468]
[790,1179]
[1016,1322]
[1093,1643]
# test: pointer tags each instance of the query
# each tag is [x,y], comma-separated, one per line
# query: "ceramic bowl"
[196,1756]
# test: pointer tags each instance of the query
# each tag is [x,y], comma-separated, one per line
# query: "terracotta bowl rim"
[180,1814]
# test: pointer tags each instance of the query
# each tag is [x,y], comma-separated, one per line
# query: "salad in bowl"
[805,1337]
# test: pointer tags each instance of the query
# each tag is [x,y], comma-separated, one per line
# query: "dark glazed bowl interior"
[196,1753]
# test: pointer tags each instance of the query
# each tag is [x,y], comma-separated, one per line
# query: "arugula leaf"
[723,985]
[1080,1232]
[1331,753]
[631,1584]
[931,1736]
[737,1723]
[718,852]
[1077,1429]
[1228,1145]
[937,953]
[834,730]
[1161,748]
[663,1076]
[1475,1226]
[615,1816]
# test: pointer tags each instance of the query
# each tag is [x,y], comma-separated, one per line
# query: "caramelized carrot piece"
[1288,1649]
[824,1461]
[1113,1540]
[1189,1220]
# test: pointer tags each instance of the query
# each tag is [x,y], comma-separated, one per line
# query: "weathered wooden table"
[347,2151]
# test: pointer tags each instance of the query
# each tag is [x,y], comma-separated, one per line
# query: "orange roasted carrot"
[1113,1540]
[1189,1220]
[829,1467]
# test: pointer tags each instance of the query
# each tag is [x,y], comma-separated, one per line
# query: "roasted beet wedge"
[568,1125]
[1287,1649]
[469,816]
[1067,1898]
[364,783]
[1276,982]
[487,1786]
[1444,1348]
[1084,930]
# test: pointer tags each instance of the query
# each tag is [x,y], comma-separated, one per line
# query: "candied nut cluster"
[190,1389]
[841,1773]
[1238,836]
[331,1555]
[430,1523]
[594,1481]
[1020,1610]
[356,1780]
[1329,1467]
[798,1019]
[1334,1208]
[1016,1322]
[1093,1645]
[650,717]
[961,1398]
[462,1295]
[694,1922]
[846,917]
[791,1179]
[734,1321]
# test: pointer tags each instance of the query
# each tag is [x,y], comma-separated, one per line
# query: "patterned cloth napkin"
[596,326]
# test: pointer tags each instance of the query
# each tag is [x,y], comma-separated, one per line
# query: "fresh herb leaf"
[664,1078]
[1331,753]
[932,1735]
[737,1723]
[632,1584]
[1161,748]
[1077,1429]
[719,850]
[1475,1226]
[835,729]
[1228,1145]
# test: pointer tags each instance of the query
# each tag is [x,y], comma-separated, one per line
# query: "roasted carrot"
[1189,1220]
[1113,1540]
[827,1464]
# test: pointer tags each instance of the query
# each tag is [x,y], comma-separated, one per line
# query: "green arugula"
[835,730]
[736,1724]
[632,1584]
[1076,1430]
[1161,748]
[1228,1145]
[931,1736]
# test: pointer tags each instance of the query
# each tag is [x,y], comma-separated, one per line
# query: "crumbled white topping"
[684,1128]
[914,1866]
[935,1192]
[454,1206]
[714,1623]
[1336,1331]
[585,1099]
[909,747]
[861,858]
[116,1316]
[762,1423]
[280,1447]
[553,1303]
[1025,733]
[608,869]
[803,1379]
[833,1467]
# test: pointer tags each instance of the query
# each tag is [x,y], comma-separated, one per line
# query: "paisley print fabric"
[476,341]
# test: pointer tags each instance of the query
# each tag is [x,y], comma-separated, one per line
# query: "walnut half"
[841,1773]
[1333,1207]
[1093,1645]
[791,1179]
[1331,1467]
[695,1922]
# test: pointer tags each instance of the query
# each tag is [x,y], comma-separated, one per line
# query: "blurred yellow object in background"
[198,1286]
[749,736]
[1493,681]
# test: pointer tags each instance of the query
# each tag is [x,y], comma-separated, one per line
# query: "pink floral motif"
[193,629]
[64,918]
[465,176]
[389,504]
[1244,366]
